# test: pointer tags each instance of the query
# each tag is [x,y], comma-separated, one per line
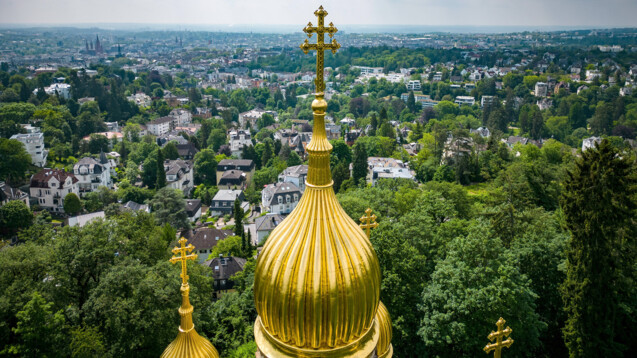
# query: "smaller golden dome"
[384,348]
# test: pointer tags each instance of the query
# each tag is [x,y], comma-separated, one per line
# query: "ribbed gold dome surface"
[384,349]
[317,279]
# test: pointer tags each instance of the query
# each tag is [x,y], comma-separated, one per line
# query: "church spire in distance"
[317,281]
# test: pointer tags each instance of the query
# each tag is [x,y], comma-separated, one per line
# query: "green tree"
[161,172]
[39,330]
[474,285]
[205,167]
[599,291]
[86,342]
[14,216]
[14,161]
[294,159]
[411,102]
[169,207]
[230,246]
[340,173]
[359,163]
[170,151]
[216,139]
[386,130]
[72,204]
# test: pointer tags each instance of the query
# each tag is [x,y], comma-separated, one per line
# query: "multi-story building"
[465,100]
[413,85]
[179,175]
[251,117]
[280,198]
[181,117]
[541,89]
[486,101]
[160,126]
[34,145]
[239,139]
[204,239]
[295,175]
[223,202]
[91,174]
[50,186]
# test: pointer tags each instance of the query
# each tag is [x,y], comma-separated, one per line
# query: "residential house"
[181,117]
[223,269]
[280,198]
[34,145]
[232,179]
[486,101]
[296,175]
[333,131]
[245,165]
[541,89]
[160,126]
[50,186]
[590,142]
[7,194]
[465,100]
[266,223]
[204,239]
[131,205]
[193,209]
[251,117]
[239,139]
[482,131]
[91,174]
[413,85]
[223,202]
[187,151]
[386,168]
[179,175]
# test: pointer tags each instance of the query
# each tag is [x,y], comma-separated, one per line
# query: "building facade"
[50,186]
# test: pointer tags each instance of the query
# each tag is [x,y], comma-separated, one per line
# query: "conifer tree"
[599,290]
[161,173]
[359,162]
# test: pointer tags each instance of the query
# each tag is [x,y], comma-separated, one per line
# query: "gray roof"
[227,195]
[174,166]
[279,189]
[268,222]
[295,171]
[206,238]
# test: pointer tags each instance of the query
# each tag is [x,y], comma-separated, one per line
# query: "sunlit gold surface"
[368,221]
[317,280]
[188,343]
[499,343]
[384,347]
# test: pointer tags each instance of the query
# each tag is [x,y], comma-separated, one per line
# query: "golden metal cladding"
[188,344]
[384,348]
[317,281]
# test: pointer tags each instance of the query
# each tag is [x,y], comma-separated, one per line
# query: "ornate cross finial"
[184,254]
[368,221]
[320,44]
[499,344]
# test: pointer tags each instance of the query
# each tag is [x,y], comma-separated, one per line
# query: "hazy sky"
[585,13]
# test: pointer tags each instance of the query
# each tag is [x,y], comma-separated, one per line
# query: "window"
[53,185]
[280,200]
[216,204]
[287,199]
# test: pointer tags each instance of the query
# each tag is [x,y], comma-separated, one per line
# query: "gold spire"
[188,343]
[384,349]
[368,221]
[317,280]
[499,344]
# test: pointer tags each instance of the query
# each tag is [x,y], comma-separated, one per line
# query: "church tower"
[317,281]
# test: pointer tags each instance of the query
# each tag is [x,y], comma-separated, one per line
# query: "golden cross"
[499,344]
[184,253]
[320,45]
[368,221]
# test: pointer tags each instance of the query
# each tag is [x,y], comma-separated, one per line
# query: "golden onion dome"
[188,344]
[317,280]
[384,348]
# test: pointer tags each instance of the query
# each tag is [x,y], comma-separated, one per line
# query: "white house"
[91,174]
[159,126]
[239,139]
[50,187]
[62,89]
[280,198]
[251,117]
[486,100]
[8,194]
[541,89]
[34,145]
[141,99]
[589,143]
[413,85]
[465,100]
[266,223]
[181,117]
[179,175]
[295,175]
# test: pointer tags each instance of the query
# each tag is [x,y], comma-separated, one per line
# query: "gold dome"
[384,348]
[317,279]
[188,344]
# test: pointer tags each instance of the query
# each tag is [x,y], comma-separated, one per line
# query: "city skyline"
[250,14]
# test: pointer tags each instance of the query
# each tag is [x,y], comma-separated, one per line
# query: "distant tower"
[86,44]
[98,45]
[119,50]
